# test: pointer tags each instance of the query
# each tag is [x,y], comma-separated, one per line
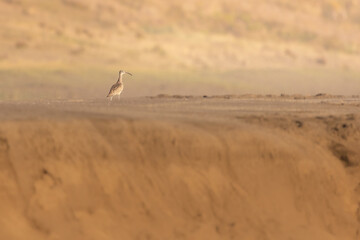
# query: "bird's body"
[118,87]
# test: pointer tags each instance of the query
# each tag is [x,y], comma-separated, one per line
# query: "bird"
[118,87]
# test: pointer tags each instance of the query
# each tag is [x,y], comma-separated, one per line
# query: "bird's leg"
[119,97]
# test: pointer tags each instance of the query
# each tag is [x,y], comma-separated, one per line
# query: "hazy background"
[74,48]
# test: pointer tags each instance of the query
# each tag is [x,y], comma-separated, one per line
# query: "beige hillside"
[74,48]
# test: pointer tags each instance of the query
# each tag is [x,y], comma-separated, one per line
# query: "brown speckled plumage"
[116,89]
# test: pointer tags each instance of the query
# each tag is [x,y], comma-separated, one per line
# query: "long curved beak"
[129,73]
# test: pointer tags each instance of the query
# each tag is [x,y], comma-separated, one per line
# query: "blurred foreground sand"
[173,167]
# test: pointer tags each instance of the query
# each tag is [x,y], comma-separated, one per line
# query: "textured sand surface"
[175,167]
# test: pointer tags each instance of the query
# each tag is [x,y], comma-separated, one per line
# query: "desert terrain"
[241,120]
[181,167]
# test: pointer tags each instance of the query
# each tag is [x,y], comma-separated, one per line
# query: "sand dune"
[170,168]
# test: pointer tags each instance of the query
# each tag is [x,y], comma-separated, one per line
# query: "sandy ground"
[176,167]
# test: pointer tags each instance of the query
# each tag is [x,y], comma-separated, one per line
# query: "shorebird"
[117,88]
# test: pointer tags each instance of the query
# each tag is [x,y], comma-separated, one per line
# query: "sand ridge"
[179,169]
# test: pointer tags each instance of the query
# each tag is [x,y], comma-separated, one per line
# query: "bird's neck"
[120,79]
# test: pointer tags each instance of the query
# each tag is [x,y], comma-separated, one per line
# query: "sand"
[181,167]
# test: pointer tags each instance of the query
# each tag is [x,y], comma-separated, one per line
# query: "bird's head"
[122,72]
